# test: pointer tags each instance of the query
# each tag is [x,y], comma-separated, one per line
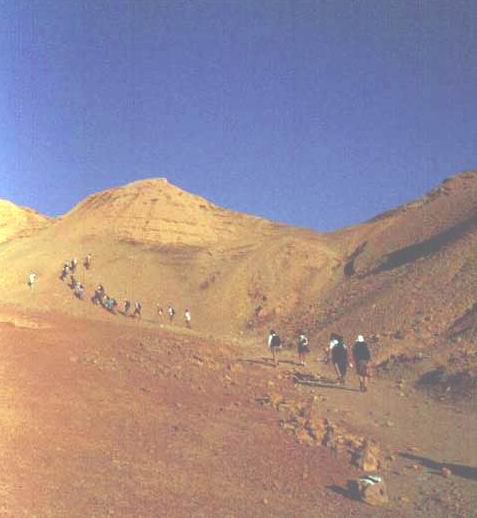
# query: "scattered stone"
[404,499]
[389,424]
[446,472]
[367,458]
[265,501]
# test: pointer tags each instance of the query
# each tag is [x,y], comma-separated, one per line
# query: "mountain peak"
[16,221]
[154,211]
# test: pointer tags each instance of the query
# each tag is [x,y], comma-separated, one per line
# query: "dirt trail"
[122,419]
[419,436]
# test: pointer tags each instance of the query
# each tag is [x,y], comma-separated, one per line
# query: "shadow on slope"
[425,248]
[460,470]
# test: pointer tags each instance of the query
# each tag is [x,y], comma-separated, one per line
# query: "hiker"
[98,295]
[137,310]
[64,272]
[361,358]
[73,282]
[303,348]
[160,311]
[127,307]
[187,318]
[79,291]
[339,357]
[87,262]
[73,265]
[32,277]
[171,312]
[112,305]
[274,343]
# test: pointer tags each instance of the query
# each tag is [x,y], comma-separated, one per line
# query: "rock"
[446,472]
[370,489]
[367,458]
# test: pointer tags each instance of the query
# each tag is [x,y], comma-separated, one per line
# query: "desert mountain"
[107,415]
[406,277]
[153,242]
[17,222]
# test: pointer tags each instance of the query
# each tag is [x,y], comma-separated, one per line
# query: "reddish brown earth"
[122,418]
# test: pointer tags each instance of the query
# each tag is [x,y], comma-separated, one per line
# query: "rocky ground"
[124,418]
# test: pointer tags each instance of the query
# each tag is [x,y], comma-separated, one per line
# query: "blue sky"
[315,113]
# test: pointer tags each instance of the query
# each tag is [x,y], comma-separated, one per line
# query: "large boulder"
[371,489]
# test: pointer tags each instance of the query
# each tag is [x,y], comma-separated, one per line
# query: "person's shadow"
[267,362]
[460,470]
[321,381]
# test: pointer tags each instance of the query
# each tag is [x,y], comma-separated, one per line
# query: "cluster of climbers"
[69,269]
[100,297]
[337,352]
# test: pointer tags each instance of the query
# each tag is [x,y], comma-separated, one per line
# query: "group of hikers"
[171,314]
[336,352]
[100,297]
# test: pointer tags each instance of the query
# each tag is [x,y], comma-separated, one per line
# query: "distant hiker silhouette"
[171,312]
[87,262]
[79,291]
[31,279]
[275,344]
[65,271]
[187,318]
[127,307]
[98,295]
[362,358]
[137,310]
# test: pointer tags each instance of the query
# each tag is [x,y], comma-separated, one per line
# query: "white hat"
[360,338]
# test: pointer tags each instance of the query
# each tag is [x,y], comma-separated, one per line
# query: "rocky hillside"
[406,278]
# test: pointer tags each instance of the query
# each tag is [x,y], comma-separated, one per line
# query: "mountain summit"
[155,211]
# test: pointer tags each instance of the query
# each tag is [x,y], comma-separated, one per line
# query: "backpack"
[275,342]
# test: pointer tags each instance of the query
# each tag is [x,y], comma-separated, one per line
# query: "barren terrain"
[105,415]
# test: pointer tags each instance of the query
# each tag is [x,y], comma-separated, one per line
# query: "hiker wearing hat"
[302,347]
[362,357]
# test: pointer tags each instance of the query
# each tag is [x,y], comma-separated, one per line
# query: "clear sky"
[315,113]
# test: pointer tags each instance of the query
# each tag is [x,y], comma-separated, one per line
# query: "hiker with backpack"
[303,348]
[338,353]
[171,312]
[127,307]
[275,344]
[362,358]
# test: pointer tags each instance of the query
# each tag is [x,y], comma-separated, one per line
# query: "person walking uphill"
[303,348]
[339,357]
[275,344]
[362,357]
[187,319]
